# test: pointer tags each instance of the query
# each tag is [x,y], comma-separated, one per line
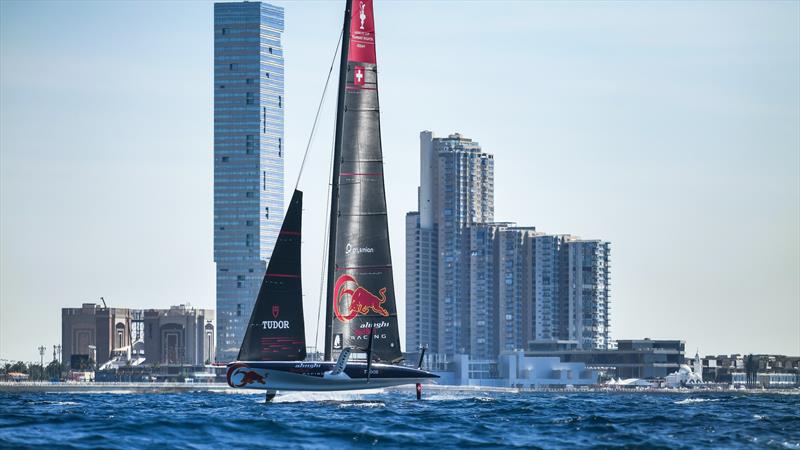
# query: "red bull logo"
[241,376]
[356,300]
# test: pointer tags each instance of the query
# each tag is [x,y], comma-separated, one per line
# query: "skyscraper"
[588,293]
[483,290]
[456,191]
[515,287]
[549,316]
[422,308]
[248,158]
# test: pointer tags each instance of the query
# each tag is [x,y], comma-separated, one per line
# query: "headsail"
[276,331]
[360,282]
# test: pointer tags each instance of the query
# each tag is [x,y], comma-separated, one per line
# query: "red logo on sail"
[276,310]
[362,32]
[358,77]
[361,301]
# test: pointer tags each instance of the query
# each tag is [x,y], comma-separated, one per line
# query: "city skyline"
[480,286]
[676,124]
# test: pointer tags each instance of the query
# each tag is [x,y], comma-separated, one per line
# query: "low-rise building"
[179,335]
[94,332]
[519,370]
[632,358]
[95,336]
[765,370]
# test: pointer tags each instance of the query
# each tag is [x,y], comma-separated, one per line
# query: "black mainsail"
[361,292]
[276,331]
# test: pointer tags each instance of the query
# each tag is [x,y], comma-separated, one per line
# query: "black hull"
[316,376]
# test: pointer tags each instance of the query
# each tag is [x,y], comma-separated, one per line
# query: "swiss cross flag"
[358,76]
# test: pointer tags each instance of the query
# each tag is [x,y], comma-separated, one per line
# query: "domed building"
[685,376]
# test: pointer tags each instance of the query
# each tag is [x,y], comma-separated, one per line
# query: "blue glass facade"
[248,158]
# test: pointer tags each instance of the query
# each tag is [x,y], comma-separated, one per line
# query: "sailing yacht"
[360,311]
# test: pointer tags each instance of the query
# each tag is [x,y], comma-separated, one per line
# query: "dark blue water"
[543,420]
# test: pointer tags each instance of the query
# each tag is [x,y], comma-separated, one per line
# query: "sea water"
[397,420]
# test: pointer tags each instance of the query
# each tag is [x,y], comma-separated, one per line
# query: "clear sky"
[670,129]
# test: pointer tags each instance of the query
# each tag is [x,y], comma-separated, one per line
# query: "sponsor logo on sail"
[378,330]
[351,300]
[349,249]
[275,324]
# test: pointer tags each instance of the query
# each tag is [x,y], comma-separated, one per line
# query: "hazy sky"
[670,129]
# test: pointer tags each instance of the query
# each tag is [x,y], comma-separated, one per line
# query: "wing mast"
[337,157]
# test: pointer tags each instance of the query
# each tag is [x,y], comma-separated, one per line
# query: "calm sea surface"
[541,420]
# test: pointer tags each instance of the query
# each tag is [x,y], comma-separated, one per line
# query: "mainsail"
[276,331]
[360,283]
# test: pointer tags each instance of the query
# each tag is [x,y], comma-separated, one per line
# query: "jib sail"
[360,282]
[276,331]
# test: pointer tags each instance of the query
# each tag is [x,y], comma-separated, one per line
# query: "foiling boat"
[360,311]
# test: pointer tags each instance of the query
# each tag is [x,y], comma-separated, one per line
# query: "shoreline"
[170,387]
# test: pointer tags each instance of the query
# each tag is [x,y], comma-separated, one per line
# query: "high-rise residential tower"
[422,309]
[483,291]
[515,287]
[549,315]
[588,293]
[248,158]
[456,191]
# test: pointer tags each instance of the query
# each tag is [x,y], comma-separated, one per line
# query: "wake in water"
[334,396]
[688,401]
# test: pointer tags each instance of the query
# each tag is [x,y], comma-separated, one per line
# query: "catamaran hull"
[305,376]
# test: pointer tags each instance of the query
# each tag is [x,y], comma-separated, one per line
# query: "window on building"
[249,81]
[280,147]
[264,177]
[267,210]
[280,102]
[248,194]
[224,159]
[270,50]
[222,86]
[264,118]
[266,74]
[232,66]
[248,223]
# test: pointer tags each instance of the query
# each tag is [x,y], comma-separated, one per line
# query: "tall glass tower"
[248,158]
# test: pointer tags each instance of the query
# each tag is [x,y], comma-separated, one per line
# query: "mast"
[361,296]
[337,156]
